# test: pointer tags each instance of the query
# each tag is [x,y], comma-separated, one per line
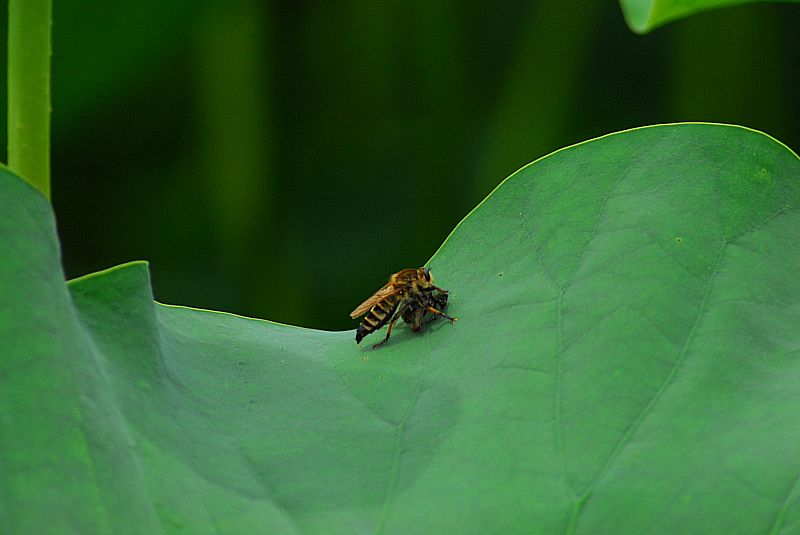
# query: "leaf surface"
[627,360]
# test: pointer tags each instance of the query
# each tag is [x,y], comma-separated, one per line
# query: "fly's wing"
[378,296]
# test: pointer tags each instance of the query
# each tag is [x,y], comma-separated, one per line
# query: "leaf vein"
[557,408]
[760,225]
[399,435]
[646,411]
[781,516]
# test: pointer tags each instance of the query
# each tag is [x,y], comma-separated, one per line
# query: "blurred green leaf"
[645,15]
[104,50]
[536,107]
[627,361]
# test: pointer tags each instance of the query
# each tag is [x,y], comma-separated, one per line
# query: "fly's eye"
[427,274]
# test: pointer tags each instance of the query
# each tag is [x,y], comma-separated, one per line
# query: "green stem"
[29,91]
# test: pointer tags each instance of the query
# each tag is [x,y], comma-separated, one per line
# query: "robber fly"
[409,294]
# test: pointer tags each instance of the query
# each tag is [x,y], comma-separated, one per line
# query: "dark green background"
[280,159]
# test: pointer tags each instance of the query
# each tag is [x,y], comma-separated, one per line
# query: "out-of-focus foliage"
[280,159]
[645,15]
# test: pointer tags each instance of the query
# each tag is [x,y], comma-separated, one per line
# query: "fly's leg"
[388,334]
[430,319]
[397,315]
[440,313]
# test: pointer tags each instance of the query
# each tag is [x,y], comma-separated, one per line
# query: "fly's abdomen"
[377,317]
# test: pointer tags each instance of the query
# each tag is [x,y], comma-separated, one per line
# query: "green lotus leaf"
[627,360]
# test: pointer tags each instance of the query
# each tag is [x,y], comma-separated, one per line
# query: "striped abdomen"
[377,317]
